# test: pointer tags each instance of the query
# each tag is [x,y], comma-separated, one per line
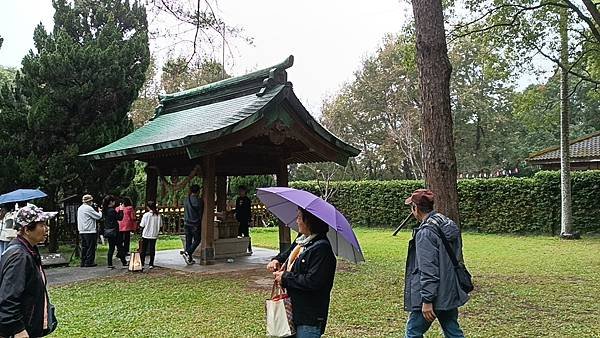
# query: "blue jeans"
[417,325]
[192,239]
[305,331]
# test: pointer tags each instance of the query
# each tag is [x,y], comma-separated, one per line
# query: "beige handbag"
[135,260]
[279,314]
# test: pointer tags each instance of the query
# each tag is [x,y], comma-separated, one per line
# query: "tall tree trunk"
[436,118]
[566,221]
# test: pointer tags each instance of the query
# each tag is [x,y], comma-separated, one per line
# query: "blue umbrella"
[21,195]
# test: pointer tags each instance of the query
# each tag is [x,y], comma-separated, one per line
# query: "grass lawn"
[525,287]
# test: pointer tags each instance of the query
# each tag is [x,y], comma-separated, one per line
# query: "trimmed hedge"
[498,205]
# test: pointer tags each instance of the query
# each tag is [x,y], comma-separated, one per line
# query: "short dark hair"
[314,223]
[106,201]
[152,206]
[425,206]
[30,226]
[127,201]
[242,187]
[195,188]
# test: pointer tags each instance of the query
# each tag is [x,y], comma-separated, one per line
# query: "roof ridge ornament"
[277,75]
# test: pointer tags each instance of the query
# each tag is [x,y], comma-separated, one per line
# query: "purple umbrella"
[284,202]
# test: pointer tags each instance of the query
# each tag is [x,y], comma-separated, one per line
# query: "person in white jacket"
[7,231]
[151,224]
[86,225]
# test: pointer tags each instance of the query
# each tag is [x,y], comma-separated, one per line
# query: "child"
[151,224]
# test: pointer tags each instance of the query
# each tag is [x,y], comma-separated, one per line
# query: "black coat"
[243,210]
[310,282]
[23,294]
[112,218]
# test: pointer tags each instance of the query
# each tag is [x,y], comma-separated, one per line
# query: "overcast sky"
[327,38]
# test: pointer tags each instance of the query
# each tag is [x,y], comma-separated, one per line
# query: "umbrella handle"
[402,224]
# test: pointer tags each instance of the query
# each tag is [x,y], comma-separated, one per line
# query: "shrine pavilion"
[248,125]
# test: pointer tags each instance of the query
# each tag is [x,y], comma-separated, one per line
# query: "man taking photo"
[86,225]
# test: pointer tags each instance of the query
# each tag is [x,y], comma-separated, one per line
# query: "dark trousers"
[148,248]
[245,231]
[192,238]
[125,239]
[112,244]
[88,249]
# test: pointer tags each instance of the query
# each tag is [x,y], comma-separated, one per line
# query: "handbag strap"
[440,234]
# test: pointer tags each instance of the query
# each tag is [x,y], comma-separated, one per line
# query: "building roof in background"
[586,148]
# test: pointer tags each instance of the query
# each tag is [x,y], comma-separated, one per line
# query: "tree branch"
[593,9]
[585,18]
[514,19]
[562,66]
[196,34]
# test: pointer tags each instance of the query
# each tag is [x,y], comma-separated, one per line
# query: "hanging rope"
[175,185]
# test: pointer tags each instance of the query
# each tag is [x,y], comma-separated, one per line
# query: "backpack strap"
[438,231]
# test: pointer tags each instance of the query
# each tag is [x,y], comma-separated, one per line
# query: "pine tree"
[79,84]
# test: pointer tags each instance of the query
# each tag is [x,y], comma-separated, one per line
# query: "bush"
[498,205]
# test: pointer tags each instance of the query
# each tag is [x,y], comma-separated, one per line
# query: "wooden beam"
[207,246]
[151,183]
[284,231]
[221,193]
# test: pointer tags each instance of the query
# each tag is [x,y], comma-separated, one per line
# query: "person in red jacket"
[127,224]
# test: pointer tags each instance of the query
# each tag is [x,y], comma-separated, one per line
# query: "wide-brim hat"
[87,198]
[32,214]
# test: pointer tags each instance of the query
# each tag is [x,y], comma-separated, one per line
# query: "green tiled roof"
[226,83]
[171,130]
[187,119]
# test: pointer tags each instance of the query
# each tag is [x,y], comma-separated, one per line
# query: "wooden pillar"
[284,231]
[221,193]
[151,183]
[207,246]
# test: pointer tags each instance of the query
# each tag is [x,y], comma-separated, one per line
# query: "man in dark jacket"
[431,288]
[243,214]
[25,309]
[193,211]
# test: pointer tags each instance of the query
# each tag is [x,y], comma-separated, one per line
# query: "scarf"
[301,242]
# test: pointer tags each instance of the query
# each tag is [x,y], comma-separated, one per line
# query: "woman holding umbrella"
[307,271]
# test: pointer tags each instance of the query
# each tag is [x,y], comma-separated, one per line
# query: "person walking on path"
[307,275]
[111,230]
[151,224]
[127,224]
[7,224]
[431,287]
[193,210]
[25,308]
[86,225]
[243,214]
